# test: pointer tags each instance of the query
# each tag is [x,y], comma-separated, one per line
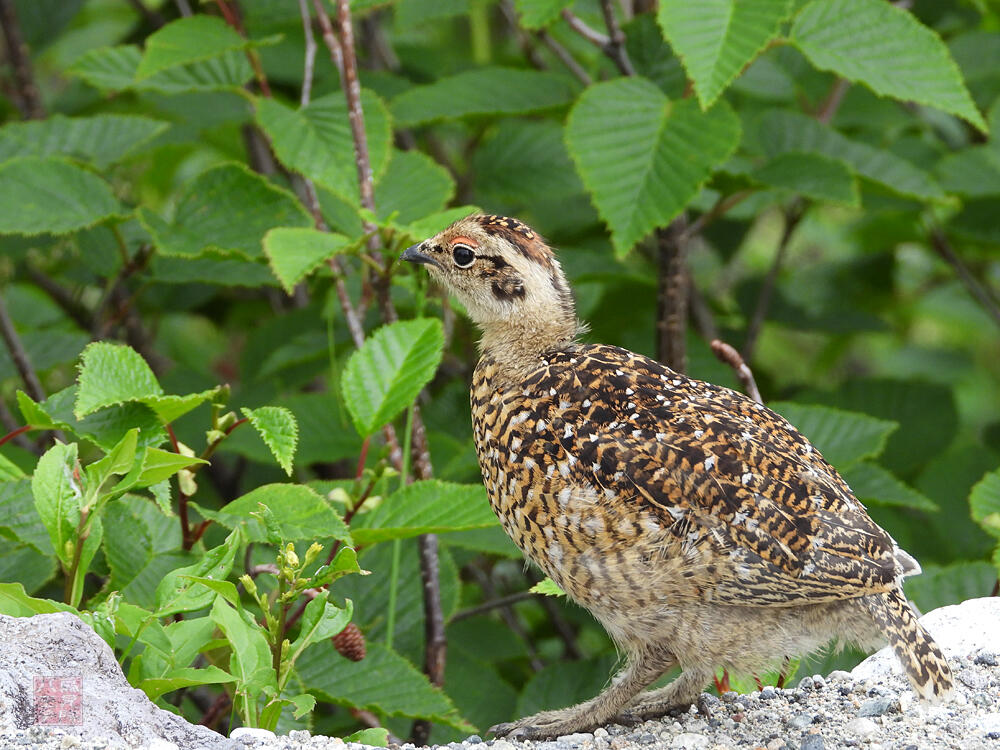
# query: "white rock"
[55,667]
[989,722]
[502,745]
[958,630]
[251,734]
[690,741]
[862,727]
[161,744]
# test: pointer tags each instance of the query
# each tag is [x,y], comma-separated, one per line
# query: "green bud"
[214,436]
[227,420]
[248,584]
[313,552]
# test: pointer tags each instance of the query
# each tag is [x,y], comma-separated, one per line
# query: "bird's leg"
[643,667]
[679,694]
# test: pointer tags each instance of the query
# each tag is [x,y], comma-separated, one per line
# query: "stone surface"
[959,630]
[56,671]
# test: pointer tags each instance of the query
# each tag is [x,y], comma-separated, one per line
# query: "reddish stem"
[362,458]
[19,431]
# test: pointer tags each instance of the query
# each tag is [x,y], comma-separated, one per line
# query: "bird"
[700,528]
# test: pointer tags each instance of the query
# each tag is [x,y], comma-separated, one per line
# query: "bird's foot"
[546,725]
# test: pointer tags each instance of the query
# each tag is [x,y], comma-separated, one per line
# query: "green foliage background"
[834,164]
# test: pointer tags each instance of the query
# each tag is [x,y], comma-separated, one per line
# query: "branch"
[721,207]
[183,7]
[672,295]
[832,102]
[793,215]
[14,428]
[591,35]
[65,299]
[941,245]
[616,47]
[565,57]
[27,97]
[232,17]
[728,355]
[20,357]
[310,60]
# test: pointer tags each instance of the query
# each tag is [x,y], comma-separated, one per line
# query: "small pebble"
[768,693]
[987,658]
[690,741]
[806,683]
[974,678]
[800,721]
[251,735]
[862,727]
[646,739]
[475,739]
[878,707]
[812,742]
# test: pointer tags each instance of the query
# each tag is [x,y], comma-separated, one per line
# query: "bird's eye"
[463,255]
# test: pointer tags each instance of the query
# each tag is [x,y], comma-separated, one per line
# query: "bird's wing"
[738,486]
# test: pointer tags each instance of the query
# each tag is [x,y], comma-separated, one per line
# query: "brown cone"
[350,642]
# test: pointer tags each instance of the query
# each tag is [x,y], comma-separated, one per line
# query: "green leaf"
[717,39]
[317,142]
[537,14]
[887,49]
[843,437]
[300,511]
[385,375]
[59,497]
[984,501]
[952,584]
[19,517]
[128,543]
[16,603]
[973,171]
[811,175]
[277,427]
[375,737]
[53,196]
[23,564]
[483,91]
[642,156]
[251,656]
[425,507]
[548,587]
[185,41]
[875,485]
[33,413]
[413,186]
[226,589]
[295,252]
[177,593]
[101,139]
[9,470]
[781,131]
[114,69]
[158,465]
[118,461]
[169,407]
[212,266]
[176,679]
[227,208]
[383,681]
[111,374]
[320,620]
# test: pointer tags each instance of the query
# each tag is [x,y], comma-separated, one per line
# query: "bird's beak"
[414,255]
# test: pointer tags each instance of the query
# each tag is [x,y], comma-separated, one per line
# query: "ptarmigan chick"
[700,528]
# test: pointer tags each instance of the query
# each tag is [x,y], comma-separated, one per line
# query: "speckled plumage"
[699,527]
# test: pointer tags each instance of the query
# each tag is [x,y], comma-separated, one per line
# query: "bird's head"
[504,274]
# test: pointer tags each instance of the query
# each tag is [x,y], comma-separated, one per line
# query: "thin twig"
[578,25]
[701,313]
[183,7]
[64,298]
[672,303]
[524,39]
[616,47]
[18,354]
[310,58]
[14,428]
[565,57]
[728,355]
[232,17]
[723,205]
[793,215]
[27,97]
[832,102]
[503,601]
[941,245]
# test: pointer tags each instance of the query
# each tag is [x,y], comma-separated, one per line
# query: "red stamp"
[58,700]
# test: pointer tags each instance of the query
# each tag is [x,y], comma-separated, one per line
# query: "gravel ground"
[819,713]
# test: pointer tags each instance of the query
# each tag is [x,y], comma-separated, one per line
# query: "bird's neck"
[519,345]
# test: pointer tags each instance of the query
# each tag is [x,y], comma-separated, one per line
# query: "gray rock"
[878,707]
[475,739]
[54,669]
[800,721]
[987,658]
[812,742]
[974,678]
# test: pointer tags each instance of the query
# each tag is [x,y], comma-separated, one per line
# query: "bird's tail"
[920,656]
